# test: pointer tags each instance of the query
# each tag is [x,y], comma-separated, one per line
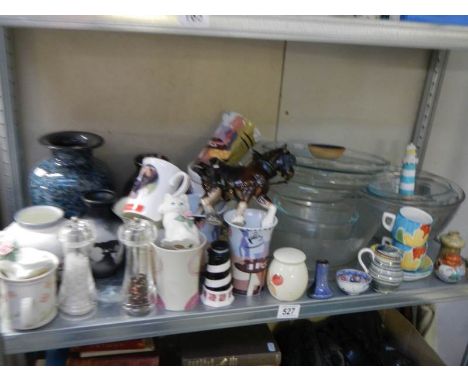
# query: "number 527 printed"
[288,311]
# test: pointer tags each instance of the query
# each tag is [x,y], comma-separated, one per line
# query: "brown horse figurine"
[220,180]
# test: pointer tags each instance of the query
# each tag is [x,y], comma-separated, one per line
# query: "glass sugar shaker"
[138,289]
[77,294]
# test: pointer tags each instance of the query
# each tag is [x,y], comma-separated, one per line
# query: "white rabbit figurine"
[180,230]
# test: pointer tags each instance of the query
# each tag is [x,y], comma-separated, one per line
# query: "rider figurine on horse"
[221,180]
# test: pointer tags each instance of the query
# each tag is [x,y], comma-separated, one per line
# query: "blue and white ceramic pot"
[61,180]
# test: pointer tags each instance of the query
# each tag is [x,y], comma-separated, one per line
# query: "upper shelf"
[326,29]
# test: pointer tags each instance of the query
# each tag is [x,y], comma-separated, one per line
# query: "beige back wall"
[166,93]
[142,93]
[365,98]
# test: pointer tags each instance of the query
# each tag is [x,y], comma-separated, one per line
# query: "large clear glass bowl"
[332,179]
[434,194]
[325,224]
[351,161]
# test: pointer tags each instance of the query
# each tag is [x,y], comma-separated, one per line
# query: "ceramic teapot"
[385,268]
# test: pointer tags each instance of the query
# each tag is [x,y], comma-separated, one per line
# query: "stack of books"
[141,352]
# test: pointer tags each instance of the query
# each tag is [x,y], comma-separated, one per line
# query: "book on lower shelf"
[242,346]
[139,352]
[114,348]
[135,359]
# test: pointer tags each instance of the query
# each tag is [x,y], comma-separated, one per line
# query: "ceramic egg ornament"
[287,275]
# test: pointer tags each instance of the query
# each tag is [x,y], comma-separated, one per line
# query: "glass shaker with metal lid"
[138,290]
[77,294]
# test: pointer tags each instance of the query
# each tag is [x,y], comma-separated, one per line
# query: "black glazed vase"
[108,253]
[61,180]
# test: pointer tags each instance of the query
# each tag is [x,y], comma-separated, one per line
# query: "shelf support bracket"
[11,189]
[428,103]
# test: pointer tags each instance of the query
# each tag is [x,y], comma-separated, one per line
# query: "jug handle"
[362,252]
[184,180]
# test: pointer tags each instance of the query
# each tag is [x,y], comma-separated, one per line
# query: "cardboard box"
[409,340]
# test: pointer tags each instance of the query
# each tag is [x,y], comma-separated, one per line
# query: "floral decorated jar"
[287,276]
[450,266]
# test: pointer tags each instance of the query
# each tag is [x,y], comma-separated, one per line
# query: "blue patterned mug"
[411,226]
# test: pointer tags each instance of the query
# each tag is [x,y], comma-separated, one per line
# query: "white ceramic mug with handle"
[31,302]
[156,178]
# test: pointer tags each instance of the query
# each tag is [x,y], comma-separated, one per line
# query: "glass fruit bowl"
[351,161]
[323,224]
[434,194]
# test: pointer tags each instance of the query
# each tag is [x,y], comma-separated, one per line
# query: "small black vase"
[108,253]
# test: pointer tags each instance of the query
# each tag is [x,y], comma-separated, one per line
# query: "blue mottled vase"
[61,180]
[320,288]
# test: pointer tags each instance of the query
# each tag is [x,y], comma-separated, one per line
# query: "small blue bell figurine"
[320,288]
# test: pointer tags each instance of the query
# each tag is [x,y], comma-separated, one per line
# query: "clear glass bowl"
[331,179]
[351,161]
[323,224]
[434,194]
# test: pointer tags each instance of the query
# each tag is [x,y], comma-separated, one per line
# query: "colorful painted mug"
[250,249]
[411,257]
[410,226]
[157,177]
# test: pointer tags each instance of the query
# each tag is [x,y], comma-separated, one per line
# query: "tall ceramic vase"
[108,253]
[60,180]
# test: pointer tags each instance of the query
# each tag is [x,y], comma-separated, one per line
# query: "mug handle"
[387,240]
[184,180]
[362,252]
[388,220]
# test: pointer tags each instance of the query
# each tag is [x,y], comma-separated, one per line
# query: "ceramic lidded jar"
[38,227]
[287,275]
[108,253]
[385,268]
[450,265]
[60,180]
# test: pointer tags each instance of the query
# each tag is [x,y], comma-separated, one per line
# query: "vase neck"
[70,157]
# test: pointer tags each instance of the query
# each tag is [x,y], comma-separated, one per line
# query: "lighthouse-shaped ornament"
[408,171]
[217,286]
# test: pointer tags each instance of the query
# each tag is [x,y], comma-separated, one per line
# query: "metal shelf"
[326,29]
[110,323]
